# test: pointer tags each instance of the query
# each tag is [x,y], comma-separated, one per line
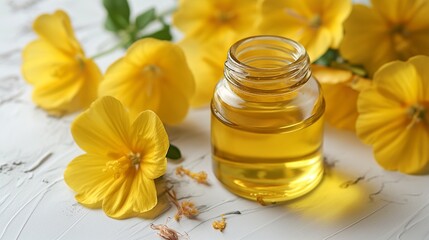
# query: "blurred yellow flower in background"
[394,115]
[218,21]
[210,27]
[340,89]
[121,162]
[387,31]
[64,79]
[316,24]
[207,68]
[153,75]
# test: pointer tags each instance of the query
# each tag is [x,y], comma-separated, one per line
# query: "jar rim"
[267,64]
[299,50]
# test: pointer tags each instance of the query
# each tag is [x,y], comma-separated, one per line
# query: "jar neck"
[266,66]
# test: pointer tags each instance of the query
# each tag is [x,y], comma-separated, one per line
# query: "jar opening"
[263,62]
[267,52]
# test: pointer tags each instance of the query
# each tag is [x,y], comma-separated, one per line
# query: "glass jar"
[267,121]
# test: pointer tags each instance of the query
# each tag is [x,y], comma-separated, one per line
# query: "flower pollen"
[417,113]
[116,167]
[219,225]
[135,159]
[400,40]
[315,22]
[186,208]
[80,60]
[225,16]
[200,177]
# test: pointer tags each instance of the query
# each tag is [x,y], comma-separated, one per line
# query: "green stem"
[110,50]
[354,69]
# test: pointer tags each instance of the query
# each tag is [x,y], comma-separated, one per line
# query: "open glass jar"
[267,121]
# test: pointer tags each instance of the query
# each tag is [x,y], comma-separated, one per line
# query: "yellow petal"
[217,21]
[206,63]
[56,29]
[59,97]
[168,58]
[173,106]
[163,201]
[335,11]
[86,176]
[419,21]
[124,81]
[374,41]
[317,25]
[103,129]
[334,14]
[141,78]
[340,114]
[421,65]
[72,88]
[404,150]
[330,75]
[150,138]
[41,61]
[177,73]
[91,78]
[418,42]
[378,115]
[397,11]
[130,196]
[187,20]
[316,43]
[291,14]
[398,80]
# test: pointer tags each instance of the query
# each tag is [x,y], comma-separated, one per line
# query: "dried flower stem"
[165,232]
[186,208]
[200,177]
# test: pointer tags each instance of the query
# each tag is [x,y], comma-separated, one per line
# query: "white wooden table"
[356,200]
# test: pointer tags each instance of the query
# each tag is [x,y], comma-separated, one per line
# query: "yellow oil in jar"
[272,165]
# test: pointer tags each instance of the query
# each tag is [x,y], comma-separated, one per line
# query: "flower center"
[81,62]
[117,167]
[401,44]
[120,166]
[418,113]
[135,159]
[315,22]
[225,16]
[150,73]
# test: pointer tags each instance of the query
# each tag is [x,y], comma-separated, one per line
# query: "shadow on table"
[338,197]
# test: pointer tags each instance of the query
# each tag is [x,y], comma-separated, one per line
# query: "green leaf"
[118,14]
[163,34]
[145,18]
[326,59]
[173,152]
[110,25]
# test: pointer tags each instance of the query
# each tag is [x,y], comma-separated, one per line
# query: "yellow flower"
[64,79]
[153,75]
[394,115]
[206,64]
[390,30]
[340,89]
[210,28]
[121,162]
[316,24]
[219,21]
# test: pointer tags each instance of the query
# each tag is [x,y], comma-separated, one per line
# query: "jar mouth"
[287,52]
[265,62]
